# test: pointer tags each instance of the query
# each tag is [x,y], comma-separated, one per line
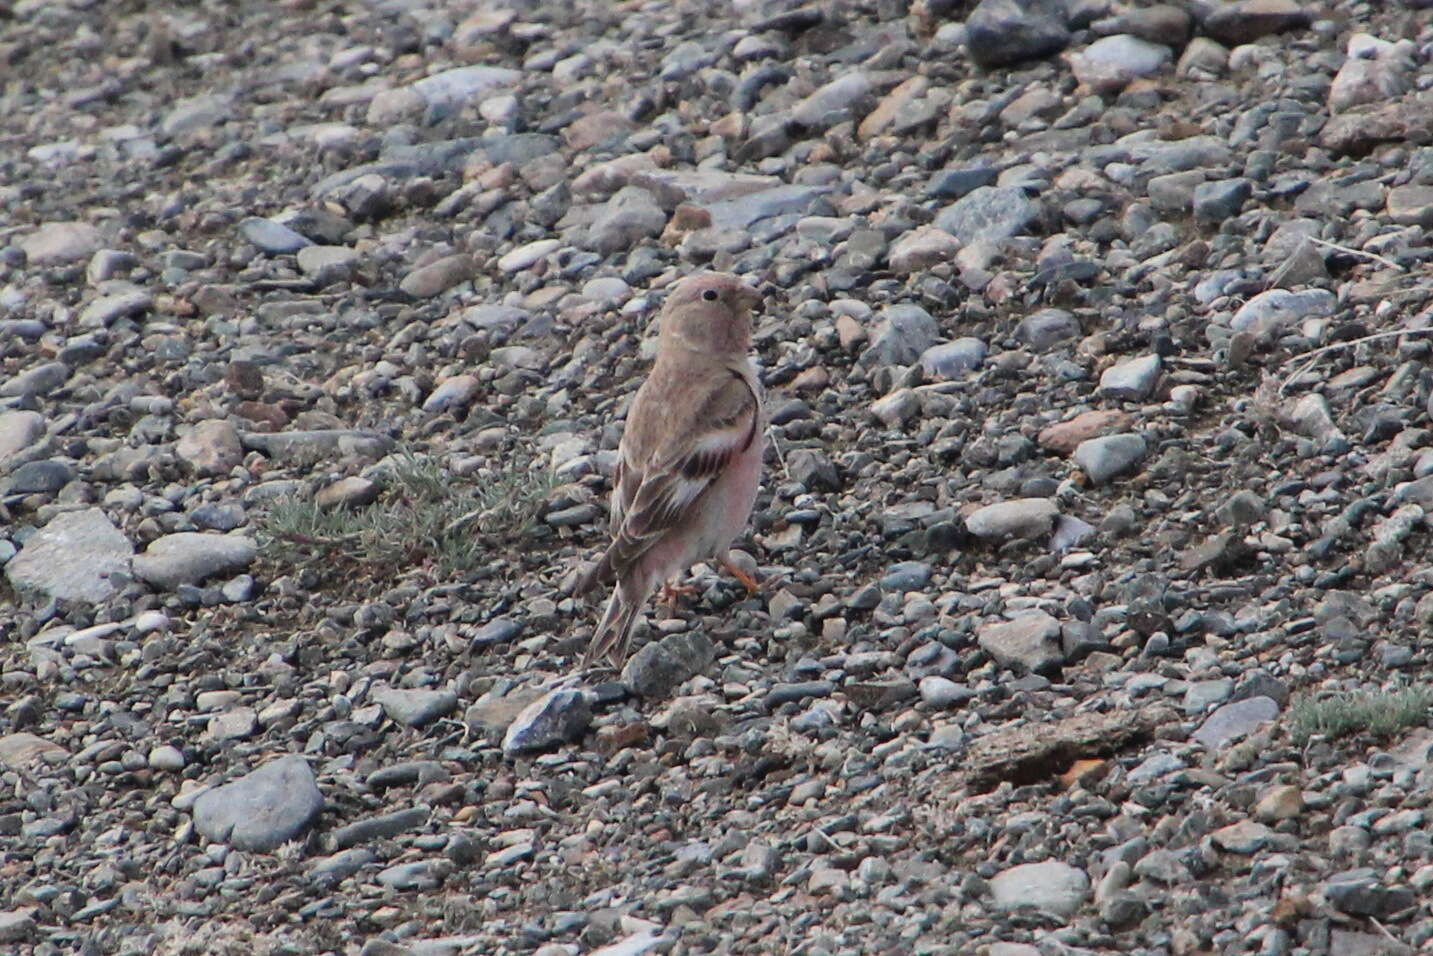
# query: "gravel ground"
[1097,345]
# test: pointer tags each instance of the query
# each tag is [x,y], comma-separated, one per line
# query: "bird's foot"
[671,592]
[752,585]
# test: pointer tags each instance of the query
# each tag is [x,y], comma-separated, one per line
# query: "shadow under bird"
[689,463]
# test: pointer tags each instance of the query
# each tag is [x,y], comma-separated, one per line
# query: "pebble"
[1002,32]
[1131,380]
[210,448]
[989,213]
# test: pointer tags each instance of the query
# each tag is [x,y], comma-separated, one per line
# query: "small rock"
[350,492]
[1020,518]
[262,809]
[1131,380]
[554,718]
[989,213]
[271,237]
[16,926]
[60,243]
[1030,642]
[1269,313]
[1063,438]
[1048,328]
[1359,893]
[438,277]
[1244,21]
[41,477]
[1052,886]
[108,309]
[18,431]
[1245,837]
[1112,63]
[73,558]
[189,557]
[327,265]
[1001,32]
[1106,458]
[210,448]
[952,360]
[922,248]
[658,667]
[1280,803]
[1234,721]
[453,393]
[903,334]
[417,707]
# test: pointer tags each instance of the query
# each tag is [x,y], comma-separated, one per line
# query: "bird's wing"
[681,435]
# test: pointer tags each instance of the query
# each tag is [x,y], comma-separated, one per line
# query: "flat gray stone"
[1132,380]
[18,431]
[1110,456]
[190,557]
[1019,518]
[73,558]
[990,213]
[901,337]
[210,448]
[1271,312]
[271,237]
[1002,32]
[40,380]
[1234,721]
[1030,642]
[262,809]
[60,243]
[951,360]
[416,707]
[108,309]
[1052,886]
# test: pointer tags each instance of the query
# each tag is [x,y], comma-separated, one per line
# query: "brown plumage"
[689,462]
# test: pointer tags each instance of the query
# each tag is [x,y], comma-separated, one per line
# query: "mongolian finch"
[690,458]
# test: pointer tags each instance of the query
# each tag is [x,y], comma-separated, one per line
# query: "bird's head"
[710,313]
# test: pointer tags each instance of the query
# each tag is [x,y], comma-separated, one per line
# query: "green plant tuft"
[423,516]
[1379,714]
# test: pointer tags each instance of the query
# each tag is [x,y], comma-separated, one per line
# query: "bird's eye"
[710,295]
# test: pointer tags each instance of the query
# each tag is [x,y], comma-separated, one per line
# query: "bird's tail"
[614,630]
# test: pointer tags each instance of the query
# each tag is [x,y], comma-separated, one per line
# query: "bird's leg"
[752,585]
[671,592]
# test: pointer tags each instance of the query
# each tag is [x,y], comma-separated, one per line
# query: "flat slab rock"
[73,558]
[1036,751]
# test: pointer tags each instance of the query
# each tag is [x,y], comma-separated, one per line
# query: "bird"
[689,462]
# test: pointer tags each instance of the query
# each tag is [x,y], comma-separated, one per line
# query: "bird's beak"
[751,298]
